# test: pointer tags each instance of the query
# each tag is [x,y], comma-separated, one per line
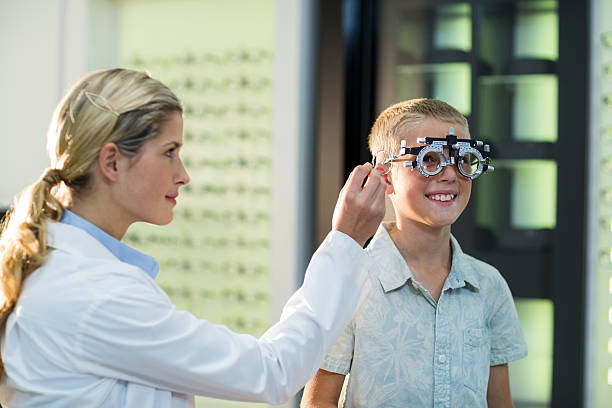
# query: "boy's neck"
[425,249]
[427,252]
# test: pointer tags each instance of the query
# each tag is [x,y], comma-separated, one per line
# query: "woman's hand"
[359,210]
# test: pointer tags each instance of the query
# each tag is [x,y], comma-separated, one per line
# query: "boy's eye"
[431,158]
[170,152]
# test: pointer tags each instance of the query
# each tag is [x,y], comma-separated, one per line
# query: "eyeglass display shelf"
[514,239]
[521,150]
[530,66]
[440,56]
[433,57]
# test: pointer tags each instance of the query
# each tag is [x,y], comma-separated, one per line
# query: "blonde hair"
[114,105]
[384,133]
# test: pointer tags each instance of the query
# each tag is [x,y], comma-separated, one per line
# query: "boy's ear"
[108,161]
[387,177]
[389,183]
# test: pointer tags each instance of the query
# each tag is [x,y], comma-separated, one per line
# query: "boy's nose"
[448,173]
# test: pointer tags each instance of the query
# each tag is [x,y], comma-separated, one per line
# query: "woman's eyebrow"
[176,144]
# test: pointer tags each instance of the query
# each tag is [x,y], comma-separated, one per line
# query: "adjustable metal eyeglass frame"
[459,149]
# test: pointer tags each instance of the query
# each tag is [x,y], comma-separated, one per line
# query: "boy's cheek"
[467,187]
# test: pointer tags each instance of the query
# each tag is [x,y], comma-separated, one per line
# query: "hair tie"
[52,176]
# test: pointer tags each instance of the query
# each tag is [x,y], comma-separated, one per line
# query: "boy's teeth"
[442,197]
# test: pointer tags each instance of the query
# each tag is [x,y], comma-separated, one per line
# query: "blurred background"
[279,96]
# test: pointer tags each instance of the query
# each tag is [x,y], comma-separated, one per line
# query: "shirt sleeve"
[135,334]
[507,341]
[340,357]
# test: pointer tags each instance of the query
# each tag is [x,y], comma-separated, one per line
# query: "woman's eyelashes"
[172,152]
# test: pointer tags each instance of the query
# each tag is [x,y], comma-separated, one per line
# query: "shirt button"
[442,358]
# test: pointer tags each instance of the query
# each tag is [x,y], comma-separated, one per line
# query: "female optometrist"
[83,322]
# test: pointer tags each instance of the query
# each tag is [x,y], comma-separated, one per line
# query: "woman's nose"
[183,176]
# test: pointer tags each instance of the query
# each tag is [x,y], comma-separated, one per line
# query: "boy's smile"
[436,201]
[443,197]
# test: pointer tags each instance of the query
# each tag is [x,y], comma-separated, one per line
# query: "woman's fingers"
[359,210]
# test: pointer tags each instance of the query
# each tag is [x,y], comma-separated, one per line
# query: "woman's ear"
[108,161]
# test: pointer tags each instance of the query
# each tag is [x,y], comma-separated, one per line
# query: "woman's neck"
[99,212]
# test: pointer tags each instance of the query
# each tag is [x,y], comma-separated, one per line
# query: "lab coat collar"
[75,240]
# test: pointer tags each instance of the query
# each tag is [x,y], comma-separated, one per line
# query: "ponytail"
[23,239]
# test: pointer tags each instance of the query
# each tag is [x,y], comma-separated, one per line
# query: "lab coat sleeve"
[135,334]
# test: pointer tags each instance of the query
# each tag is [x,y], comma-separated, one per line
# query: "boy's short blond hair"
[384,133]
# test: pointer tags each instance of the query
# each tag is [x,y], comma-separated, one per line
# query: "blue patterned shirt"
[403,349]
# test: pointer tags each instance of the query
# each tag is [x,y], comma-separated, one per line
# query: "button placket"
[442,367]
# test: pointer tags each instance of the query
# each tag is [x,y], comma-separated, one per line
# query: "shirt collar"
[123,252]
[462,271]
[394,272]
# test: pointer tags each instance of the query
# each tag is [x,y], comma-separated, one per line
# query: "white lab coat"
[91,331]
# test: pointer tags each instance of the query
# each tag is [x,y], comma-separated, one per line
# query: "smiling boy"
[439,326]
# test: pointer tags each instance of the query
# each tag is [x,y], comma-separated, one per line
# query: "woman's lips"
[172,199]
